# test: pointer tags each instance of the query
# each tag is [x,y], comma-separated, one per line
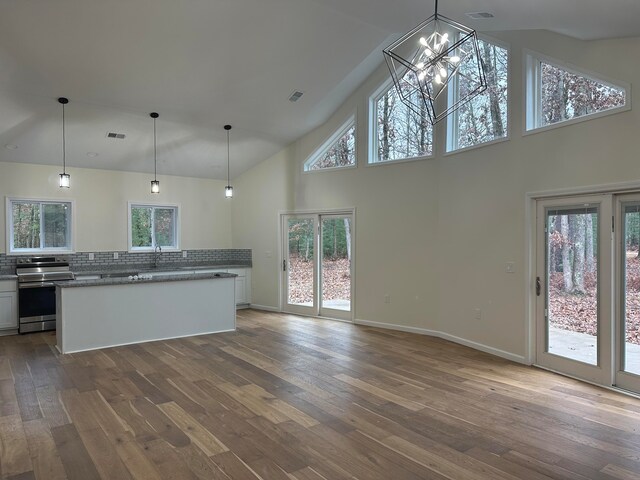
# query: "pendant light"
[228,190]
[65,178]
[155,184]
[436,55]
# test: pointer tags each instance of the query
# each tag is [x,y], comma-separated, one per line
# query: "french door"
[588,288]
[318,264]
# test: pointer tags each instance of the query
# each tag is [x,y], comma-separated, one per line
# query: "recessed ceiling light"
[10,146]
[479,15]
[92,154]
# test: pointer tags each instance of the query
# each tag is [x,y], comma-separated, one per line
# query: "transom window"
[39,226]
[397,131]
[152,226]
[557,94]
[484,118]
[338,151]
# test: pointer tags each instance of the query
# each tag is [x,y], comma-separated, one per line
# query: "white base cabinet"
[8,305]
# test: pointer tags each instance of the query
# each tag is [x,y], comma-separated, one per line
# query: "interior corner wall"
[101,200]
[435,234]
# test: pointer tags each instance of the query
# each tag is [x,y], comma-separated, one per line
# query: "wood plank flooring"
[292,398]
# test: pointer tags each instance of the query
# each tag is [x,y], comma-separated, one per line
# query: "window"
[152,226]
[338,151]
[484,118]
[556,94]
[398,132]
[38,226]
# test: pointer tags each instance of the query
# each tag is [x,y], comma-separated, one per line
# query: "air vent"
[295,96]
[480,15]
[119,136]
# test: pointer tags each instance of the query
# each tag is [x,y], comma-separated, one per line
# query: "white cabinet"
[243,286]
[8,304]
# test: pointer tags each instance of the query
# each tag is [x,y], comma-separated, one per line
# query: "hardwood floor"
[287,397]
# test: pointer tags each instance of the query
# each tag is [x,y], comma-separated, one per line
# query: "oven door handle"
[36,285]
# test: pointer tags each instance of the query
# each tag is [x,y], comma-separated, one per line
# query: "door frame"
[282,215]
[530,248]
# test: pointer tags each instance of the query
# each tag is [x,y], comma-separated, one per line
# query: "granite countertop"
[7,275]
[126,280]
[144,268]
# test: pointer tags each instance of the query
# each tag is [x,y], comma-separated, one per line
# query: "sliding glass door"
[317,264]
[588,288]
[628,308]
[573,326]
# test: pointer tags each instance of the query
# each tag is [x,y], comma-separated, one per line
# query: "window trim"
[29,251]
[372,139]
[450,128]
[329,142]
[176,206]
[532,87]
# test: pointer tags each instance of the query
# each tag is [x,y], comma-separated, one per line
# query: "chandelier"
[435,56]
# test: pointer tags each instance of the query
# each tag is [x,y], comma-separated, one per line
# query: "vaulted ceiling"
[204,63]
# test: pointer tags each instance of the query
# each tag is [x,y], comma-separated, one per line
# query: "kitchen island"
[108,312]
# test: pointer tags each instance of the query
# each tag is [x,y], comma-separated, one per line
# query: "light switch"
[91,256]
[184,254]
[510,267]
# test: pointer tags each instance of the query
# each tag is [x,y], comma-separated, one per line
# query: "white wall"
[101,198]
[435,234]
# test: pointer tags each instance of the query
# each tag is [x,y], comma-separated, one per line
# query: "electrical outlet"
[387,299]
[184,254]
[477,314]
[115,255]
[91,256]
[267,254]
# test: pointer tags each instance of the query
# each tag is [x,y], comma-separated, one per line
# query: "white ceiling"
[204,63]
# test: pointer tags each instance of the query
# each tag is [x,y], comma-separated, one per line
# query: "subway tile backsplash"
[81,259]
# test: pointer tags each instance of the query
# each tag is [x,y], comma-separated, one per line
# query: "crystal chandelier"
[432,57]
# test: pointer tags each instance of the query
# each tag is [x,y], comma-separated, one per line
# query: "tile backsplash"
[81,259]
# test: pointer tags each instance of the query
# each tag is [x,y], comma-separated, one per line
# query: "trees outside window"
[153,226]
[400,133]
[39,226]
[485,117]
[556,94]
[337,152]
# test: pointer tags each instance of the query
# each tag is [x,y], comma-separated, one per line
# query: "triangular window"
[557,94]
[338,151]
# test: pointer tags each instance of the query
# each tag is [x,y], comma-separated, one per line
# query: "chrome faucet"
[156,255]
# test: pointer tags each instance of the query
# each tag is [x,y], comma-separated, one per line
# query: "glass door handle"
[538,286]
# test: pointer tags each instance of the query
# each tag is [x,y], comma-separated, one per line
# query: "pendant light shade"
[155,184]
[228,190]
[65,178]
[438,54]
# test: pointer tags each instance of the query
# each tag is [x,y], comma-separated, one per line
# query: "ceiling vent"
[295,96]
[479,15]
[119,136]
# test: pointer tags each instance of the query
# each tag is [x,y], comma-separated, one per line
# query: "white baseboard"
[446,336]
[266,308]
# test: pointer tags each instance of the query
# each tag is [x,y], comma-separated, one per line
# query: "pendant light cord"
[155,150]
[64,143]
[228,160]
